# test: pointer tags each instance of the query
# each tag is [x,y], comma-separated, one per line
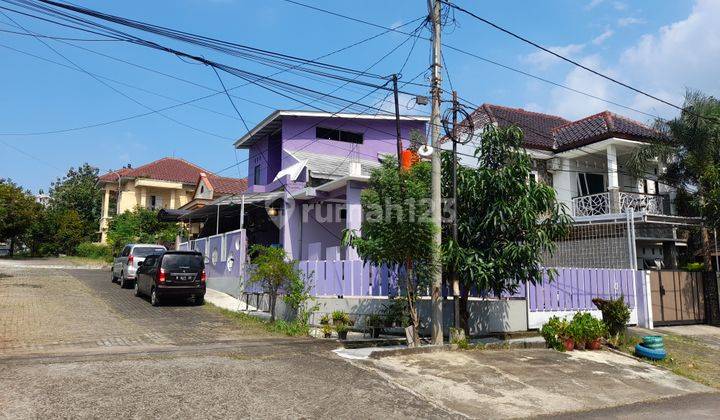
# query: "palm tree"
[690,146]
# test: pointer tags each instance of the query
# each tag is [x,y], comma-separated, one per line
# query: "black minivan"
[172,273]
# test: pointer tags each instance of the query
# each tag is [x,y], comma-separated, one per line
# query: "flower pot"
[376,332]
[327,335]
[342,335]
[569,344]
[593,345]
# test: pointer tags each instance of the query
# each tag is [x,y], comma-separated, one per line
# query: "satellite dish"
[425,151]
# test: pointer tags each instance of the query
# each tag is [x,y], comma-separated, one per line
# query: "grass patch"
[257,325]
[686,357]
[85,260]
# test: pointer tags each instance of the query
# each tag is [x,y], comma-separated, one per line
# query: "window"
[125,252]
[257,174]
[590,183]
[144,251]
[338,135]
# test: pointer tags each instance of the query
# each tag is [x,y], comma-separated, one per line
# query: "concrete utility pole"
[455,279]
[436,91]
[397,120]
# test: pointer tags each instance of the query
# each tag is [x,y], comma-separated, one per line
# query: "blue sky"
[662,46]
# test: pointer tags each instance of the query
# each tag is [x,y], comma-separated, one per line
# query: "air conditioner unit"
[554,165]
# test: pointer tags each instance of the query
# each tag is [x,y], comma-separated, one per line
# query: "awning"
[171,215]
[232,201]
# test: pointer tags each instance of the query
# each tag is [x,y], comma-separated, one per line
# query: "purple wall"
[379,135]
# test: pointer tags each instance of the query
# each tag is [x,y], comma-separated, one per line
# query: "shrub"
[615,313]
[341,318]
[555,331]
[695,266]
[94,251]
[584,327]
[325,320]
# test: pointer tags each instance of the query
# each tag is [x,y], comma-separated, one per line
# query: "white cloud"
[603,37]
[678,56]
[593,4]
[629,21]
[543,60]
[618,5]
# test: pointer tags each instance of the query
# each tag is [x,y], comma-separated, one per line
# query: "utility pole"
[436,210]
[455,280]
[397,121]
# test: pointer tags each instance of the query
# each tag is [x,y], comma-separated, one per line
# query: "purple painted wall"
[379,135]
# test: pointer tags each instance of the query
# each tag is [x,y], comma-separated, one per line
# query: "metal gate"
[678,297]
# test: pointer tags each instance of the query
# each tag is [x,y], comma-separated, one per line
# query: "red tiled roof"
[550,132]
[222,185]
[178,170]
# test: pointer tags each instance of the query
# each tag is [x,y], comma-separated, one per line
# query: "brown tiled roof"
[222,185]
[178,170]
[599,127]
[550,132]
[536,126]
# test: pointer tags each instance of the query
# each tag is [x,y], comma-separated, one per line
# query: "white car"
[126,264]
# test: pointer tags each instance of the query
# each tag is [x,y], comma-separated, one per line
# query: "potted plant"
[327,330]
[325,320]
[596,329]
[342,331]
[375,323]
[576,330]
[341,322]
[556,334]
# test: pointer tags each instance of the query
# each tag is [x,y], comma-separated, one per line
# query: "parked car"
[126,264]
[178,274]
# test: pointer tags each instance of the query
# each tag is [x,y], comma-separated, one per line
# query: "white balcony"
[607,203]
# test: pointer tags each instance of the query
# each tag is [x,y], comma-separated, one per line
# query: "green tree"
[275,273]
[397,229]
[506,219]
[690,147]
[17,211]
[55,231]
[78,190]
[139,225]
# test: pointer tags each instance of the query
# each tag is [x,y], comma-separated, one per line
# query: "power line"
[560,56]
[476,56]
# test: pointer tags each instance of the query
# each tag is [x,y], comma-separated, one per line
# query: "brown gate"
[677,297]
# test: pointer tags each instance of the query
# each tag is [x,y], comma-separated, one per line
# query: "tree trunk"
[12,247]
[464,312]
[273,299]
[707,249]
[411,302]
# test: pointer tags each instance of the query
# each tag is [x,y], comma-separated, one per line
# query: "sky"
[662,47]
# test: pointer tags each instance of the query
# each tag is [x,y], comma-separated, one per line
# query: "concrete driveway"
[530,382]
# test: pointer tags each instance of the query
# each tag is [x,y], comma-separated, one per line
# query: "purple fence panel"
[348,281]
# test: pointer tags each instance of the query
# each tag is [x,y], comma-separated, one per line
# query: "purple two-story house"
[306,170]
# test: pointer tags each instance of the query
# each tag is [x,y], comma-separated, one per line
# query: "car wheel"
[123,282]
[137,289]
[154,299]
[199,300]
[113,279]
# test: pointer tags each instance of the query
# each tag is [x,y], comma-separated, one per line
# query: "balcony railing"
[597,204]
[591,205]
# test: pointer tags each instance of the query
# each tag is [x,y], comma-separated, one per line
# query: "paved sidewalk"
[529,382]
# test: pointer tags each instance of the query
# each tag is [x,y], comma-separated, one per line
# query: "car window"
[125,251]
[150,261]
[178,261]
[144,251]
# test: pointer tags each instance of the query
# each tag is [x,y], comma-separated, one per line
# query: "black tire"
[154,298]
[199,300]
[138,293]
[123,282]
[113,279]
